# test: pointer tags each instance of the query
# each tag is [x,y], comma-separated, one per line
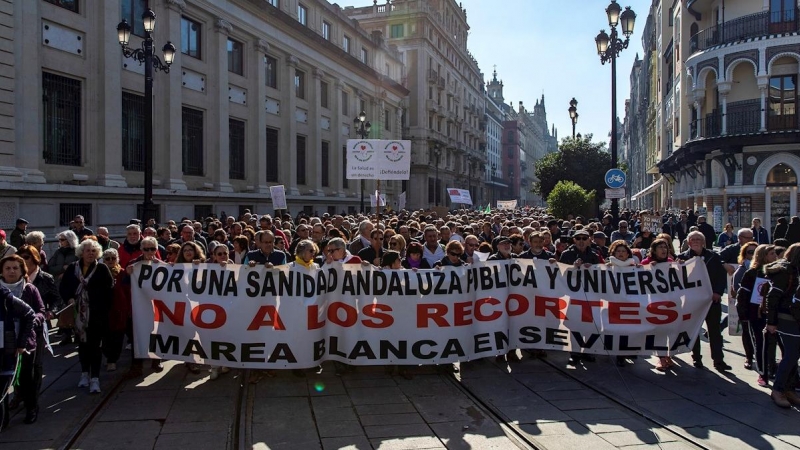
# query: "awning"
[647,190]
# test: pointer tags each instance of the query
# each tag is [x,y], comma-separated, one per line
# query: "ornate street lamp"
[144,55]
[362,127]
[573,114]
[609,48]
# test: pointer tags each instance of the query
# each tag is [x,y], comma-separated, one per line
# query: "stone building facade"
[260,94]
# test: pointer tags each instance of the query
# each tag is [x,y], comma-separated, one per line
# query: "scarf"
[299,261]
[82,301]
[15,288]
[414,264]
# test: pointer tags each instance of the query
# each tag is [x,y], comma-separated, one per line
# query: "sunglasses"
[750,252]
[221,254]
[454,254]
[148,249]
[109,258]
[581,238]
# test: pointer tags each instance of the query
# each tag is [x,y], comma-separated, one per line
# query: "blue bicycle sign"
[615,178]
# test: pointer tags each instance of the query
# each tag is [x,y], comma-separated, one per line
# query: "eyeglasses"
[454,254]
[222,254]
[330,251]
[148,249]
[61,239]
[750,252]
[581,238]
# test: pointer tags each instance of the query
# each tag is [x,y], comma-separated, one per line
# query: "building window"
[364,55]
[68,211]
[133,132]
[300,84]
[325,163]
[203,211]
[323,94]
[345,181]
[386,120]
[301,160]
[345,106]
[397,31]
[302,14]
[61,98]
[326,30]
[236,149]
[190,38]
[783,102]
[271,68]
[235,57]
[346,44]
[71,5]
[192,141]
[132,12]
[272,155]
[275,3]
[431,190]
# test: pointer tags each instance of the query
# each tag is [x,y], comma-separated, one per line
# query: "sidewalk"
[493,406]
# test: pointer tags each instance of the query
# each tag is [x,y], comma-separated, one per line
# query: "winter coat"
[99,290]
[62,257]
[14,309]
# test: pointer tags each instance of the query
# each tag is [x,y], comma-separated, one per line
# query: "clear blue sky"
[547,47]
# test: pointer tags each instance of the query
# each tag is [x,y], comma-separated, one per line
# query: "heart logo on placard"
[363,147]
[394,147]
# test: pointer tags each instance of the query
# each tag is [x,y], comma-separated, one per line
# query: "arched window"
[782,175]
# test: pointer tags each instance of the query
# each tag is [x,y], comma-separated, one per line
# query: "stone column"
[314,139]
[763,86]
[168,109]
[257,154]
[27,98]
[337,140]
[724,89]
[108,145]
[218,147]
[288,145]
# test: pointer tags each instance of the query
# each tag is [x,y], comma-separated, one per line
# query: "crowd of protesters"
[85,283]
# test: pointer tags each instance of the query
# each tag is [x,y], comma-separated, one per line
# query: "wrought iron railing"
[746,27]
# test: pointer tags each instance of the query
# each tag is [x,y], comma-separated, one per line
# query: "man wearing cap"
[18,235]
[5,248]
[78,226]
[503,250]
[580,253]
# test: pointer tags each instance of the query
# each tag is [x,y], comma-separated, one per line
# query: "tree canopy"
[569,198]
[578,160]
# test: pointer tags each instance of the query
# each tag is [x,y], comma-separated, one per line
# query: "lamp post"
[494,187]
[573,114]
[511,183]
[151,62]
[437,152]
[362,126]
[609,48]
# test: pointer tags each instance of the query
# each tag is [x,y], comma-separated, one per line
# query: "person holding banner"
[454,250]
[432,251]
[660,252]
[719,279]
[336,251]
[266,253]
[536,250]
[414,259]
[749,306]
[374,252]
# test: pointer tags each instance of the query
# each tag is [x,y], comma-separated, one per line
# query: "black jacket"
[100,290]
[716,270]
[783,279]
[572,254]
[793,232]
[14,309]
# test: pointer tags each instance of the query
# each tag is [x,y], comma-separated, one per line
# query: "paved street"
[489,405]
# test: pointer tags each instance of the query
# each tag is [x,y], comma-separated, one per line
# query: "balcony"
[433,77]
[743,117]
[441,83]
[746,27]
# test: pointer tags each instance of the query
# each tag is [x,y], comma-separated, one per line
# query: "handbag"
[66,316]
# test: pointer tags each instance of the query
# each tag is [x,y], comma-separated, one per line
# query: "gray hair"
[70,236]
[743,231]
[151,240]
[133,226]
[34,238]
[111,252]
[694,234]
[305,245]
[363,226]
[337,243]
[88,243]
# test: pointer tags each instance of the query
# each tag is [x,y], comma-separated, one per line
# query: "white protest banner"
[401,201]
[459,196]
[506,204]
[650,222]
[376,159]
[756,297]
[278,194]
[291,317]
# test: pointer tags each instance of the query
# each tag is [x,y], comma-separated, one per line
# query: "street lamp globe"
[628,19]
[149,20]
[613,12]
[602,40]
[169,53]
[362,117]
[573,110]
[367,126]
[124,33]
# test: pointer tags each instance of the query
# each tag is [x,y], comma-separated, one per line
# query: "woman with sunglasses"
[397,243]
[453,253]
[749,306]
[14,277]
[621,255]
[123,306]
[220,255]
[660,253]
